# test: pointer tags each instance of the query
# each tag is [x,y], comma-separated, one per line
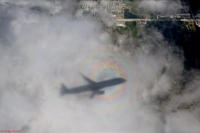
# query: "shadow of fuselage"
[94,87]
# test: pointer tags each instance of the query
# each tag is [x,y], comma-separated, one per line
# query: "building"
[114,7]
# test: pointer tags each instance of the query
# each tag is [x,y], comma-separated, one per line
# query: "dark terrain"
[188,40]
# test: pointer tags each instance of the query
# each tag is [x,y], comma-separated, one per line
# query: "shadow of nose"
[122,80]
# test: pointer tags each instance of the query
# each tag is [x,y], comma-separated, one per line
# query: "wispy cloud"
[44,47]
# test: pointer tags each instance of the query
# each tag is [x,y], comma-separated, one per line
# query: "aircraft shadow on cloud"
[95,87]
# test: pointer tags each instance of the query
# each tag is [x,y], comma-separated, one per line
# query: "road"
[149,20]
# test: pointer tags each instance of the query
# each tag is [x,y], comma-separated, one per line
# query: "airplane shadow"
[95,87]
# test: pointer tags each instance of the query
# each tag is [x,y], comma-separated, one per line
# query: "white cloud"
[160,6]
[45,51]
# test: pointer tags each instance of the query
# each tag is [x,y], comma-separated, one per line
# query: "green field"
[131,27]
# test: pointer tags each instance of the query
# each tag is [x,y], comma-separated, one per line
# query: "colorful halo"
[111,67]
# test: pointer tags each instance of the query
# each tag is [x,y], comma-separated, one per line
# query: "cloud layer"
[43,47]
[160,6]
